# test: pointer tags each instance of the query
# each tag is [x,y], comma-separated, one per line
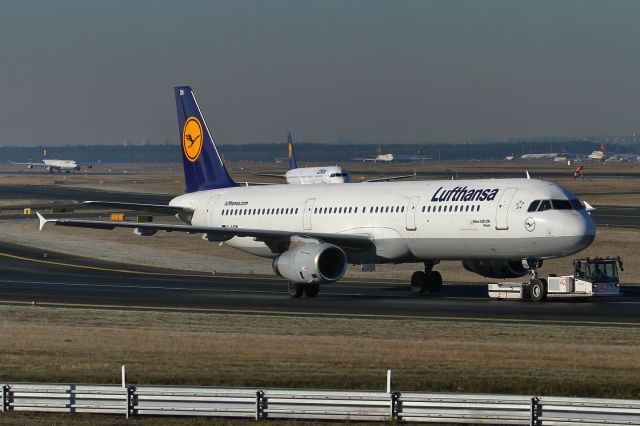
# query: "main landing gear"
[296,290]
[429,280]
[537,286]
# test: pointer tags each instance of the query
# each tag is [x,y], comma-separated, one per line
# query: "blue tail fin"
[292,154]
[203,167]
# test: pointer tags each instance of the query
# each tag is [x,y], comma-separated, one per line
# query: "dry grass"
[68,345]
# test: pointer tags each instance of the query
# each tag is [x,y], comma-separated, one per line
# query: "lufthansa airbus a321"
[498,228]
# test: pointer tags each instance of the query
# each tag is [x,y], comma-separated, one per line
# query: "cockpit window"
[561,205]
[544,205]
[577,204]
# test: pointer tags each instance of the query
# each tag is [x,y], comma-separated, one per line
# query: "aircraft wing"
[30,164]
[154,208]
[348,242]
[387,179]
[270,175]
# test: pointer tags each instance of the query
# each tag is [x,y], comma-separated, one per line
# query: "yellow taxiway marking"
[93,268]
[315,314]
[98,268]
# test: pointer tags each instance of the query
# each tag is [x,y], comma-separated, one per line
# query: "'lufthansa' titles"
[463,194]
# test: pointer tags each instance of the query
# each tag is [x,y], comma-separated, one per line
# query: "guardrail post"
[534,413]
[260,403]
[395,405]
[388,381]
[131,400]
[5,398]
[124,376]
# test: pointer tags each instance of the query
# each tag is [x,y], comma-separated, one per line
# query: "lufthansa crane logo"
[530,224]
[192,139]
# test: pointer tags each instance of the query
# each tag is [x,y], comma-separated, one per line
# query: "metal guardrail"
[323,405]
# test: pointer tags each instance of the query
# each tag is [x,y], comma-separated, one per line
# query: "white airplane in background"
[315,175]
[498,228]
[309,175]
[598,155]
[543,156]
[384,158]
[56,165]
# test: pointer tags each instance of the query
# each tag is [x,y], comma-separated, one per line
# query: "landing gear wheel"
[295,289]
[418,282]
[538,290]
[311,290]
[434,282]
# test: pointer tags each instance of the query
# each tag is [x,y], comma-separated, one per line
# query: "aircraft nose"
[580,229]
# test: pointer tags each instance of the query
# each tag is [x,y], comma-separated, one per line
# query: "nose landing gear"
[537,286]
[429,280]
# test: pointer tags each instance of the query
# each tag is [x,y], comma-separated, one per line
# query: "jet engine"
[311,263]
[496,268]
[29,166]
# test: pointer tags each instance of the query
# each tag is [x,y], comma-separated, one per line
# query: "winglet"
[589,207]
[527,172]
[42,220]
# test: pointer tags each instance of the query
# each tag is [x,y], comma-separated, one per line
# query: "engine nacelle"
[311,263]
[496,268]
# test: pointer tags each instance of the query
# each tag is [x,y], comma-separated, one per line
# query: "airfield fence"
[265,404]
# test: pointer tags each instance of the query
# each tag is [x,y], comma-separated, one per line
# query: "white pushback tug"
[591,277]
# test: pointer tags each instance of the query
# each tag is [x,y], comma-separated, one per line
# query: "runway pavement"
[59,280]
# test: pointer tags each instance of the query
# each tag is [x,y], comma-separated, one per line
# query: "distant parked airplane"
[543,156]
[598,155]
[56,165]
[314,175]
[385,158]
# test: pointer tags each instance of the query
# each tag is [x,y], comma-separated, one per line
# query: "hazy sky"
[85,72]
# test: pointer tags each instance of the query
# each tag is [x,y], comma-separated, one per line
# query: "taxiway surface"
[59,280]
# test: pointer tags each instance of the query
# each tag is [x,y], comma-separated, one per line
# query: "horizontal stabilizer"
[154,208]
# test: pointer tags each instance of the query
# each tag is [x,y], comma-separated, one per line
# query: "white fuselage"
[61,164]
[544,156]
[317,175]
[596,155]
[407,221]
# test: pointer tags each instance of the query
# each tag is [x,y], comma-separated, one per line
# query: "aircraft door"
[210,206]
[502,211]
[308,211]
[411,213]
